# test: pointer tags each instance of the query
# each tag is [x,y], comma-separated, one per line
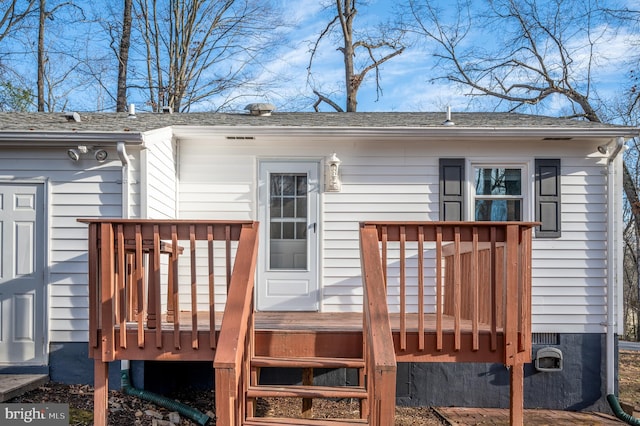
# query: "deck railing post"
[107,290]
[94,292]
[380,360]
[235,345]
[512,314]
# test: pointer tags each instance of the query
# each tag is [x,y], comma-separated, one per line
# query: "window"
[288,220]
[498,193]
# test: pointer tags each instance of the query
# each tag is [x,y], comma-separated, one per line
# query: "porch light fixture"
[76,153]
[333,176]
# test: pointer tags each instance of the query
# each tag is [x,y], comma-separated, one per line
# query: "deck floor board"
[321,321]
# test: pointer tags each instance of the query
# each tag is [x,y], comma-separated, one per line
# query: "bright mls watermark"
[34,414]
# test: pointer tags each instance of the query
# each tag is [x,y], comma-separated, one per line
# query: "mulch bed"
[126,410]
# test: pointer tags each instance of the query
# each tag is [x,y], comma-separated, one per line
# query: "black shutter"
[548,197]
[452,189]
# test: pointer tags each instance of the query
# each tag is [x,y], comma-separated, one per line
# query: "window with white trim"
[501,192]
[498,192]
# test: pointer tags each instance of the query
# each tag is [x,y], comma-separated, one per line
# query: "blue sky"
[403,79]
[406,79]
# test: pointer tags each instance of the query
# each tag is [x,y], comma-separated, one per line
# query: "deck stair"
[306,391]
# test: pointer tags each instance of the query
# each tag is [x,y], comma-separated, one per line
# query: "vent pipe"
[448,121]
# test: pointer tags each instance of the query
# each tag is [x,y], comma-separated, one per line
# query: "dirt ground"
[629,381]
[125,410]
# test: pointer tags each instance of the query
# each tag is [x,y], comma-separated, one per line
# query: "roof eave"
[443,133]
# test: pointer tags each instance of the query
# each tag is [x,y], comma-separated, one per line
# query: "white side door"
[22,304]
[288,215]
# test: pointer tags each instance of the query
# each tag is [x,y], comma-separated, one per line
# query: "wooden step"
[266,362]
[271,421]
[306,391]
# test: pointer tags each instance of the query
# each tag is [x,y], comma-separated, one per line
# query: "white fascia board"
[444,133]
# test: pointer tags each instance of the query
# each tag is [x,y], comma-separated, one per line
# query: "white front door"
[22,304]
[288,210]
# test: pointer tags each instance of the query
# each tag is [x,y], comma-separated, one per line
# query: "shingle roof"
[120,122]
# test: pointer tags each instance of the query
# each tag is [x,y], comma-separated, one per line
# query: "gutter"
[546,134]
[64,139]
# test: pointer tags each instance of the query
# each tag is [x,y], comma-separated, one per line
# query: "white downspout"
[124,159]
[611,267]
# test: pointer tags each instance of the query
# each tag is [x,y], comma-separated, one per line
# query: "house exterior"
[310,179]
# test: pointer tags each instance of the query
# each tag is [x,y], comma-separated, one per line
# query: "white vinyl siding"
[376,185]
[216,178]
[159,180]
[398,180]
[81,189]
[570,272]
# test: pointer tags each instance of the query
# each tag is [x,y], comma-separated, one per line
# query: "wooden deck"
[317,321]
[300,331]
[478,308]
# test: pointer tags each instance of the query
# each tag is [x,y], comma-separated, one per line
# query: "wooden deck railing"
[236,343]
[473,276]
[379,355]
[133,263]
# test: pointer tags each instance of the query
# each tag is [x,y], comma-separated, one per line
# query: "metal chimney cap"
[260,109]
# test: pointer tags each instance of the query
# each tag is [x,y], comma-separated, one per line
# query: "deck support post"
[101,392]
[516,404]
[307,403]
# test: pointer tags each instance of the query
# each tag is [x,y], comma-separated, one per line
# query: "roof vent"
[167,109]
[260,109]
[132,111]
[448,121]
[73,116]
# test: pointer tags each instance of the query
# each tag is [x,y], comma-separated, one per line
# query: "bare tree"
[533,57]
[377,49]
[53,81]
[196,50]
[544,51]
[12,14]
[41,54]
[123,57]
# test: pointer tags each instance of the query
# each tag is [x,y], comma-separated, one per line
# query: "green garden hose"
[617,410]
[162,401]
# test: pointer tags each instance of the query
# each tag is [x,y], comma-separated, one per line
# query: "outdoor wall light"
[333,176]
[76,153]
[101,155]
[603,149]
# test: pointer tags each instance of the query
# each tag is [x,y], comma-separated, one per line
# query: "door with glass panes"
[288,209]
